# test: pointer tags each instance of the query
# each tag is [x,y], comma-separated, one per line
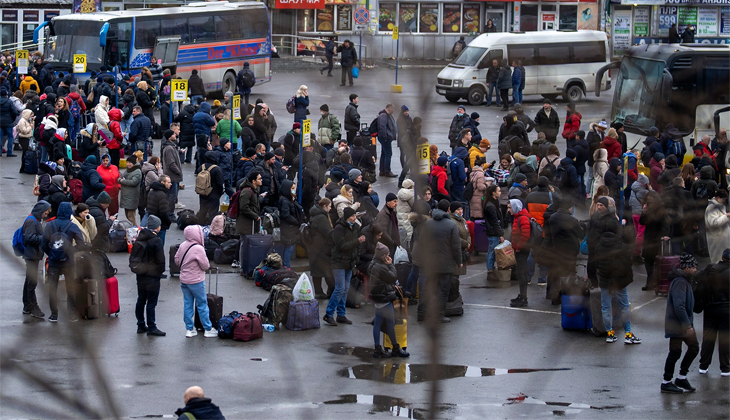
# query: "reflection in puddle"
[407,373]
[359,352]
[384,404]
[524,399]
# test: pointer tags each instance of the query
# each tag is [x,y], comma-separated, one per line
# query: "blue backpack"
[75,111]
[60,244]
[225,324]
[18,245]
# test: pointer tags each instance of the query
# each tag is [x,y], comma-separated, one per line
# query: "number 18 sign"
[179,90]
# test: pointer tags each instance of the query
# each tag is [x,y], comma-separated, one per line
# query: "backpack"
[700,289]
[469,189]
[18,245]
[504,147]
[75,111]
[549,170]
[138,257]
[186,218]
[217,225]
[233,205]
[225,324]
[673,148]
[559,175]
[535,233]
[305,232]
[203,182]
[283,276]
[60,244]
[77,190]
[276,308]
[247,78]
[373,128]
[702,193]
[291,106]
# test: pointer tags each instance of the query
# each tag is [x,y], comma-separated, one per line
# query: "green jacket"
[328,129]
[223,129]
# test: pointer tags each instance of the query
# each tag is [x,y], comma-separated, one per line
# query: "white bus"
[556,63]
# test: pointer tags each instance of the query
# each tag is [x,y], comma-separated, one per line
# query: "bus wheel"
[551,97]
[453,99]
[573,94]
[229,83]
[475,97]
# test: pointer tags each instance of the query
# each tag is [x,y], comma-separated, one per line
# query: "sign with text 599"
[179,90]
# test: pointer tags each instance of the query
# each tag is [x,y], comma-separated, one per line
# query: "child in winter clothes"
[383,277]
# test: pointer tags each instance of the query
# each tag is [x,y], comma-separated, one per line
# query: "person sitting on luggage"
[383,277]
[198,406]
[147,261]
[193,263]
[679,326]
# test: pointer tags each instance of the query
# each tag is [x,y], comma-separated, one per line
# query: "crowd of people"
[665,201]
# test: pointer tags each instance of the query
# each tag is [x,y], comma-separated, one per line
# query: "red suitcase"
[662,266]
[111,287]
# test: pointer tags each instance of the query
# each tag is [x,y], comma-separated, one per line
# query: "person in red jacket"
[439,179]
[520,236]
[572,122]
[611,144]
[702,147]
[115,118]
[109,175]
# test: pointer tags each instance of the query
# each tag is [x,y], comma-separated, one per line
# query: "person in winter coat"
[406,198]
[652,145]
[373,234]
[673,35]
[109,176]
[547,121]
[248,220]
[346,239]
[187,132]
[345,200]
[197,87]
[520,236]
[387,220]
[247,134]
[479,183]
[504,83]
[352,118]
[679,326]
[458,173]
[439,179]
[420,214]
[479,151]
[139,131]
[115,144]
[704,188]
[611,144]
[716,316]
[310,181]
[639,189]
[158,205]
[27,83]
[519,189]
[148,272]
[441,258]
[387,132]
[85,222]
[203,124]
[552,156]
[671,171]
[348,59]
[91,178]
[62,113]
[101,112]
[688,36]
[144,101]
[717,224]
[529,169]
[25,132]
[171,165]
[151,171]
[57,193]
[130,189]
[656,230]
[97,208]
[612,178]
[193,263]
[656,165]
[262,124]
[33,254]
[383,278]
[582,151]
[198,406]
[245,165]
[600,167]
[301,101]
[210,204]
[319,263]
[473,124]
[516,83]
[457,125]
[8,114]
[225,162]
[572,122]
[223,129]
[456,213]
[493,223]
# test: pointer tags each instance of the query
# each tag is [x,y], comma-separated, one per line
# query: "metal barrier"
[24,45]
[306,46]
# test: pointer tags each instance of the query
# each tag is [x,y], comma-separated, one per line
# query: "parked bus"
[214,38]
[556,63]
[685,85]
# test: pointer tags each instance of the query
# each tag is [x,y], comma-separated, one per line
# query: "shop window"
[589,52]
[553,54]
[528,18]
[568,17]
[146,32]
[344,18]
[9,33]
[408,17]
[326,19]
[452,18]
[526,54]
[387,13]
[428,18]
[202,29]
[470,21]
[305,20]
[228,27]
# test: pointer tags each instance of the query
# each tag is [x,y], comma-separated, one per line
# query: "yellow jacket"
[474,153]
[27,83]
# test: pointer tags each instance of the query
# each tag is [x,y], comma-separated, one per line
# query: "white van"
[556,63]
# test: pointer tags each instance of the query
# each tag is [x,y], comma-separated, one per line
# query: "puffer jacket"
[479,182]
[33,232]
[441,244]
[109,176]
[600,167]
[613,261]
[291,215]
[346,245]
[405,206]
[101,241]
[90,179]
[115,117]
[225,162]
[249,209]
[100,112]
[202,121]
[150,174]
[679,316]
[639,190]
[195,264]
[521,230]
[158,204]
[382,281]
[87,227]
[129,199]
[187,129]
[654,172]
[612,146]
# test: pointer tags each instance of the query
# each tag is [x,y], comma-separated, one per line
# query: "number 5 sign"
[79,63]
[179,90]
[423,159]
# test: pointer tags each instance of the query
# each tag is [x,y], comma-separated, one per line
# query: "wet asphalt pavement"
[498,362]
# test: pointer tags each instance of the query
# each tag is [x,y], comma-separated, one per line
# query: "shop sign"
[641,21]
[663,40]
[621,31]
[667,18]
[686,16]
[30,15]
[300,4]
[50,14]
[725,21]
[10,15]
[707,21]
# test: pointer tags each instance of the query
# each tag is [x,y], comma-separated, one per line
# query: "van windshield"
[470,56]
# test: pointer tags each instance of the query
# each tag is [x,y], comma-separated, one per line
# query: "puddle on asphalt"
[385,404]
[524,399]
[407,373]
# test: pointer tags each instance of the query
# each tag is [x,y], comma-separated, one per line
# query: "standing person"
[504,82]
[456,213]
[8,114]
[140,130]
[210,203]
[92,184]
[480,184]
[302,104]
[147,261]
[245,80]
[688,36]
[490,27]
[204,124]
[492,77]
[387,131]
[187,131]
[387,220]
[25,127]
[564,233]
[292,216]
[679,326]
[248,220]
[520,236]
[346,240]
[223,129]
[383,278]
[582,151]
[456,127]
[115,144]
[33,255]
[441,253]
[572,122]
[58,236]
[110,177]
[493,223]
[130,189]
[97,207]
[328,127]
[193,263]
[348,59]
[172,167]
[656,230]
[673,34]
[352,119]
[155,69]
[458,47]
[196,86]
[143,99]
[639,189]
[717,225]
[516,83]
[158,204]
[329,52]
[716,318]
[319,262]
[547,121]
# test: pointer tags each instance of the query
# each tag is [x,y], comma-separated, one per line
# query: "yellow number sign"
[79,63]
[179,90]
[306,130]
[237,107]
[395,33]
[423,159]
[21,61]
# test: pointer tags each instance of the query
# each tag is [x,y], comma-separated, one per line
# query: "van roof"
[535,37]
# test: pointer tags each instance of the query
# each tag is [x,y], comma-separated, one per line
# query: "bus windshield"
[637,92]
[470,56]
[72,38]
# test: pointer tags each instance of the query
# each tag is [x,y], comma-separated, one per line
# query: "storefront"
[19,20]
[556,15]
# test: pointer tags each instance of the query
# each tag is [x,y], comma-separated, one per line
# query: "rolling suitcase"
[575,313]
[480,239]
[174,268]
[88,299]
[30,162]
[215,304]
[111,296]
[662,266]
[401,334]
[253,249]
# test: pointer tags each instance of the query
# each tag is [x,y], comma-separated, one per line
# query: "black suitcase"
[174,268]
[88,298]
[30,161]
[215,304]
[253,250]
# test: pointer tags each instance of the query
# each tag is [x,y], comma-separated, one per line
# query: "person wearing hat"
[98,207]
[387,220]
[472,124]
[328,128]
[457,124]
[652,145]
[572,122]
[478,150]
[456,213]
[346,240]
[110,177]
[147,261]
[656,165]
[270,180]
[244,165]
[383,278]
[348,59]
[8,114]
[404,124]
[440,179]
[679,326]
[547,121]
[291,148]
[32,232]
[717,225]
[717,315]
[223,128]
[519,189]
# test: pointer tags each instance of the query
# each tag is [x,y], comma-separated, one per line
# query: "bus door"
[117,53]
[166,50]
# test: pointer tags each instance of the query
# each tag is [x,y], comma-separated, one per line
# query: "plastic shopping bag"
[303,289]
[504,255]
[401,256]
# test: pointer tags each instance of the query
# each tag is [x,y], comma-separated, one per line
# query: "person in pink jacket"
[193,263]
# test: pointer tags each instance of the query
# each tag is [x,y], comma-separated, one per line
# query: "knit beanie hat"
[153,222]
[354,173]
[381,250]
[348,212]
[104,198]
[485,144]
[390,197]
[687,261]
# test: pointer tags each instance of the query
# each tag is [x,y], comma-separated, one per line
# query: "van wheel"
[551,97]
[453,99]
[475,97]
[229,83]
[573,94]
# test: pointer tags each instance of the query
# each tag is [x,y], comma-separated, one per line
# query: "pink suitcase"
[111,287]
[662,266]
